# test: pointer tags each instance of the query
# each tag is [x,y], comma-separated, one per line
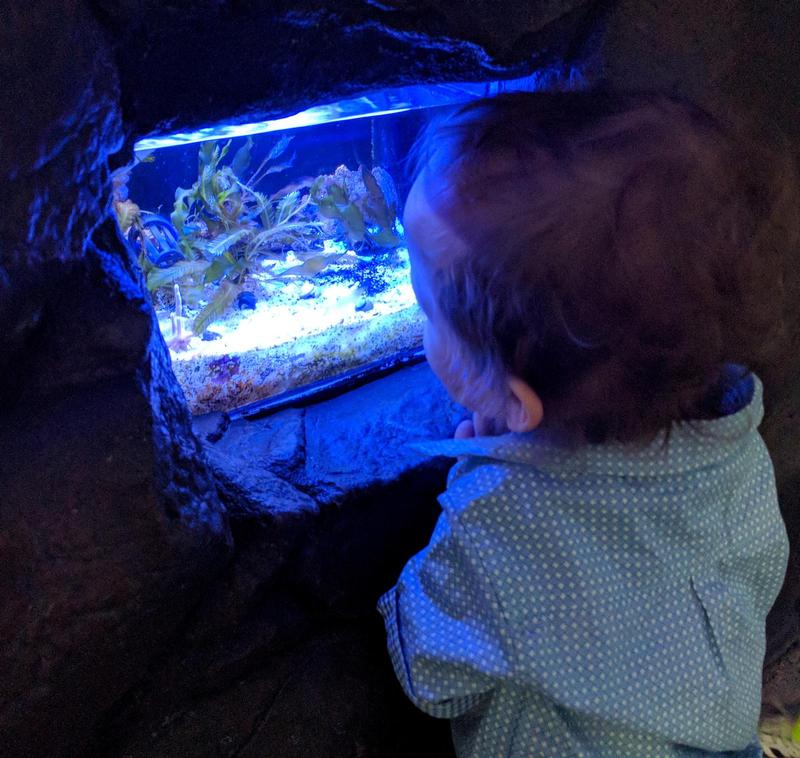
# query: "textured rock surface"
[129,624]
[65,122]
[361,439]
[285,653]
[108,526]
[270,58]
[724,55]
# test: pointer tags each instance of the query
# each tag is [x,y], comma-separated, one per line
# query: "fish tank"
[274,253]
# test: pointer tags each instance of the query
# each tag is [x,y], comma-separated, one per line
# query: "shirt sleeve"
[445,634]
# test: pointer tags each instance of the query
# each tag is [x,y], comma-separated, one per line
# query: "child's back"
[604,602]
[598,586]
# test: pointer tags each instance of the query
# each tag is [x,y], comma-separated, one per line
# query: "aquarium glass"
[273,252]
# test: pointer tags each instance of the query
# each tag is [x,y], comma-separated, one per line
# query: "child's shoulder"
[487,466]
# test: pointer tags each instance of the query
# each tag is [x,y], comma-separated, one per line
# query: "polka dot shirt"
[607,602]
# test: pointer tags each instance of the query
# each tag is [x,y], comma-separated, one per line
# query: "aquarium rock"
[307,290]
[246,301]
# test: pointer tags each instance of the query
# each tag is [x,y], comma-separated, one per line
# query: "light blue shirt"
[608,601]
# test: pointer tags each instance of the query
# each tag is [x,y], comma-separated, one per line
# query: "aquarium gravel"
[300,331]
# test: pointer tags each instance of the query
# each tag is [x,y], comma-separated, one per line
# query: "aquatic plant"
[128,213]
[780,735]
[220,200]
[179,339]
[227,229]
[362,202]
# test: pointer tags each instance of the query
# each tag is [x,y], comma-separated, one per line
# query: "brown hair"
[621,249]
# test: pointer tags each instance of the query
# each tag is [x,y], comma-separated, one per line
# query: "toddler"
[600,273]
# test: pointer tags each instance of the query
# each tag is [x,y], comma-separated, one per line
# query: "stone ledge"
[337,448]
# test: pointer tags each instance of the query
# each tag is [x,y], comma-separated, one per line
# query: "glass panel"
[273,252]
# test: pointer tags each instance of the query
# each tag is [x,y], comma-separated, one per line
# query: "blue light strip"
[317,115]
[370,104]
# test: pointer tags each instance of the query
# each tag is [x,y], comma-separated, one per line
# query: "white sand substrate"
[290,340]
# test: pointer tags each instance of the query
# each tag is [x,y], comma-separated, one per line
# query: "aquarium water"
[274,252]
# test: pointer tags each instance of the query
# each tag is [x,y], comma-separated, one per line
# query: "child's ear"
[524,410]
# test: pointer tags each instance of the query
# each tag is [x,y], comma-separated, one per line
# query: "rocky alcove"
[173,586]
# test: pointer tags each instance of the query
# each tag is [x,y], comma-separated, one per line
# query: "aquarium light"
[318,115]
[371,104]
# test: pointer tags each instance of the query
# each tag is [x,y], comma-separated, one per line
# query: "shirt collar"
[690,445]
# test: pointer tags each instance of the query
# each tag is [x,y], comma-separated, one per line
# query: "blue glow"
[370,104]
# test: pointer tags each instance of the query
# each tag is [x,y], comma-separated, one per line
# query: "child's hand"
[465,430]
[479,426]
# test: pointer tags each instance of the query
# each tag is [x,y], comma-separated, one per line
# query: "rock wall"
[153,602]
[108,526]
[262,59]
[285,654]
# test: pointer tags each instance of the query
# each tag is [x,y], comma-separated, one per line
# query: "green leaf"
[385,238]
[192,294]
[206,189]
[217,306]
[178,216]
[279,148]
[305,183]
[218,268]
[338,194]
[376,206]
[316,187]
[185,244]
[241,160]
[266,218]
[225,241]
[353,222]
[294,234]
[254,204]
[278,167]
[327,208]
[226,194]
[309,268]
[286,206]
[161,277]
[205,155]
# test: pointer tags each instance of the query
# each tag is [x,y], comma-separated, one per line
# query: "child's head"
[589,261]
